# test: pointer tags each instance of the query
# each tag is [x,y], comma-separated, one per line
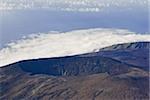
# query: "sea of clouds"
[56,44]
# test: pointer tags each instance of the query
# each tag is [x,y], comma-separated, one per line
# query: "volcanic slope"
[93,76]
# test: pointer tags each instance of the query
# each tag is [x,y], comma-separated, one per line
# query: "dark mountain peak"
[136,53]
[134,45]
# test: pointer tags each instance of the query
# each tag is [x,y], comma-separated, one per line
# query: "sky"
[72,5]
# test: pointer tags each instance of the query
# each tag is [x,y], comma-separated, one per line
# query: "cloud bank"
[55,44]
[72,5]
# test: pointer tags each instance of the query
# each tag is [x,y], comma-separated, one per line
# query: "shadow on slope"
[91,77]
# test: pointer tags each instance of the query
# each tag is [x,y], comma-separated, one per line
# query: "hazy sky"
[72,5]
[22,17]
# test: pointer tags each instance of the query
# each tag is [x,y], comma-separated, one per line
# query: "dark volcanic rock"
[136,54]
[69,66]
[130,86]
[129,46]
[110,74]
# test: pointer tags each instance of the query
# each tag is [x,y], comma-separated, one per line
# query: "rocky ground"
[120,72]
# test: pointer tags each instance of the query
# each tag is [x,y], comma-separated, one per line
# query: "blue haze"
[18,23]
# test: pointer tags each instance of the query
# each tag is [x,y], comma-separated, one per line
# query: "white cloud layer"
[55,44]
[72,5]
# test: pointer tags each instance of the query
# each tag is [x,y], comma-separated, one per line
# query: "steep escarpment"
[70,66]
[129,46]
[110,74]
[136,53]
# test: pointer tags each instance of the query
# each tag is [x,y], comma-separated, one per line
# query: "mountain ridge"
[86,77]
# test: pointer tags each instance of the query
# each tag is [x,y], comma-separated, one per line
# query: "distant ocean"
[18,23]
